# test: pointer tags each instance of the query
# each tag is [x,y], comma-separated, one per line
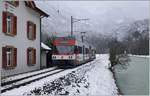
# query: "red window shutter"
[34,31]
[28,23]
[15,58]
[14,25]
[4,58]
[34,54]
[28,56]
[4,22]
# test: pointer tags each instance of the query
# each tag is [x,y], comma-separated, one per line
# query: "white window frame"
[30,54]
[9,55]
[9,24]
[31,31]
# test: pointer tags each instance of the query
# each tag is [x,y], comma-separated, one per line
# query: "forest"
[135,39]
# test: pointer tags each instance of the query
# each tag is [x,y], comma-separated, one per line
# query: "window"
[9,24]
[14,3]
[80,49]
[76,50]
[31,56]
[83,49]
[87,50]
[31,30]
[9,57]
[93,52]
[62,49]
[9,53]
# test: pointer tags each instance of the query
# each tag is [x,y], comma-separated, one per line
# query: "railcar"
[69,52]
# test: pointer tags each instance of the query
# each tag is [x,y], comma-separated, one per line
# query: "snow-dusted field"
[91,79]
[144,56]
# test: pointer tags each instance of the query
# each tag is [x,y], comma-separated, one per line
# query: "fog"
[104,16]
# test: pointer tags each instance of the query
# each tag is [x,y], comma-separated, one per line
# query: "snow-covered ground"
[144,56]
[15,77]
[101,79]
[91,79]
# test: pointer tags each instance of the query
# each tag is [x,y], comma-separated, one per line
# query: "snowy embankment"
[93,78]
[101,79]
[143,56]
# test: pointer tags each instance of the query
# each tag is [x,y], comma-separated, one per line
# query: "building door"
[49,59]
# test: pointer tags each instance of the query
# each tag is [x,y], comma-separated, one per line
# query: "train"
[70,52]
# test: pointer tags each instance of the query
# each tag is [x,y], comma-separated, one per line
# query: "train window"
[62,49]
[86,50]
[83,49]
[55,50]
[76,49]
[80,49]
[93,52]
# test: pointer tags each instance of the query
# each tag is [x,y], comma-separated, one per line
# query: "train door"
[83,52]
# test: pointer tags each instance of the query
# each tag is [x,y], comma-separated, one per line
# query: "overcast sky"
[135,9]
[102,14]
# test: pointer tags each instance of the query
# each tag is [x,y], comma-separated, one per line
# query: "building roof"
[45,47]
[32,5]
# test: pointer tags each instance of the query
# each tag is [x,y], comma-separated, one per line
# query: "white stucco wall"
[20,41]
[0,35]
[43,59]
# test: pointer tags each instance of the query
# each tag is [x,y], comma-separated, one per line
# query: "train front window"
[65,49]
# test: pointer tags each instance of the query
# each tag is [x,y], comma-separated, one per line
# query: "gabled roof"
[32,5]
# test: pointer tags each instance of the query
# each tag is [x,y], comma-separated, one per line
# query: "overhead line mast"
[73,20]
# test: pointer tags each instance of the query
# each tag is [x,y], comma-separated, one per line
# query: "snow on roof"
[32,5]
[45,46]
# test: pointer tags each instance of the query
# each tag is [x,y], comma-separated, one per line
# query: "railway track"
[19,81]
[24,79]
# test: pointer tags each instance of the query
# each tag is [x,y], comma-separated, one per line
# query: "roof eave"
[32,5]
[42,13]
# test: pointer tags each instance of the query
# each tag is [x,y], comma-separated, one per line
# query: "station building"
[20,37]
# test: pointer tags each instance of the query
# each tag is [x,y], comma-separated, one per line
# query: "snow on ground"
[19,76]
[102,82]
[144,56]
[93,78]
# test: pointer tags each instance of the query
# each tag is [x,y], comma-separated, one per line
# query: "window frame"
[12,24]
[5,56]
[31,34]
[32,58]
[10,58]
[80,49]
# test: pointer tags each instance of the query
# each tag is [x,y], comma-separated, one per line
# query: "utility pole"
[71,25]
[82,35]
[83,48]
[73,20]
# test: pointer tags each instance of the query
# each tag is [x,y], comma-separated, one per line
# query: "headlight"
[70,57]
[54,57]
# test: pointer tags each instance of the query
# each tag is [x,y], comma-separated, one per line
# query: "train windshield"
[65,49]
